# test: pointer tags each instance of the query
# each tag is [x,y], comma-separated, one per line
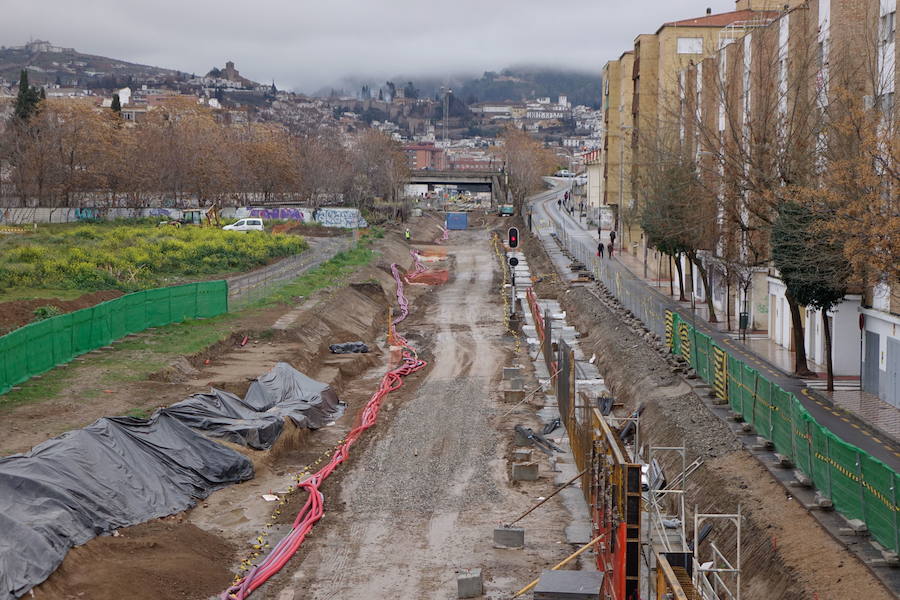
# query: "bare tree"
[526,162]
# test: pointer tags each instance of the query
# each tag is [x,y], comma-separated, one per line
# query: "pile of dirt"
[167,558]
[17,313]
[309,230]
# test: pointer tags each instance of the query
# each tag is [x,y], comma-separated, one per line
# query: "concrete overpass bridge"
[493,181]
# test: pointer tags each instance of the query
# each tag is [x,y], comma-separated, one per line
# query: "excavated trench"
[785,554]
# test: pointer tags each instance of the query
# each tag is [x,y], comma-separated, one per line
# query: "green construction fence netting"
[38,347]
[859,485]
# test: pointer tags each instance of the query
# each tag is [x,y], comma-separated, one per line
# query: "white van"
[246,225]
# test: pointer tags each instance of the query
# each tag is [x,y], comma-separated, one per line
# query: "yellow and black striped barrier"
[720,375]
[670,329]
[684,336]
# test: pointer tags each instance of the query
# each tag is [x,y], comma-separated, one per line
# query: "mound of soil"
[167,558]
[17,313]
[308,230]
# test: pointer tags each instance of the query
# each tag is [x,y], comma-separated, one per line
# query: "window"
[886,103]
[690,45]
[889,27]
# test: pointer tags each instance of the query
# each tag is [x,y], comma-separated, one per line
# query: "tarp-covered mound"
[258,419]
[288,393]
[114,473]
[224,415]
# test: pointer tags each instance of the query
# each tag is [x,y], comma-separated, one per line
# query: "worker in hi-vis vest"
[407,234]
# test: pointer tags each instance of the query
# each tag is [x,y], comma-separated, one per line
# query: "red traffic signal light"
[513,237]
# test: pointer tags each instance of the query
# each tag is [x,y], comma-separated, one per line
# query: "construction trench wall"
[785,554]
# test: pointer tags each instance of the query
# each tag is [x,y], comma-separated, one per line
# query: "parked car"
[507,210]
[564,173]
[246,225]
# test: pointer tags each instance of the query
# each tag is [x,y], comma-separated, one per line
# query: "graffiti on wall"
[86,214]
[329,217]
[289,213]
[340,217]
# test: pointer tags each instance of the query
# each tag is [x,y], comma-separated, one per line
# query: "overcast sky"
[305,45]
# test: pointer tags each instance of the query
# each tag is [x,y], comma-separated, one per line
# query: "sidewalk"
[847,395]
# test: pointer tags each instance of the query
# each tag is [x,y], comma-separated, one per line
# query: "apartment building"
[880,314]
[752,114]
[657,82]
[615,160]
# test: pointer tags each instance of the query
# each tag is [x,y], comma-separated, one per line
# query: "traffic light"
[513,237]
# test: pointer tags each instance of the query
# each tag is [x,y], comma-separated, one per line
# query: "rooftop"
[723,19]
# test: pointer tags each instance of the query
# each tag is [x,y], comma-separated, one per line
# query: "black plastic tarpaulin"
[349,348]
[258,419]
[224,415]
[114,473]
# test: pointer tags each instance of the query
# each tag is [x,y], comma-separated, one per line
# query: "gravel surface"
[421,501]
[442,435]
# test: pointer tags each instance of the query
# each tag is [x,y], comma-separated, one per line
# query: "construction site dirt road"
[421,501]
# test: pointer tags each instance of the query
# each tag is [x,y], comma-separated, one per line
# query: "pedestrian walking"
[559,204]
[600,249]
[612,236]
[610,248]
[407,235]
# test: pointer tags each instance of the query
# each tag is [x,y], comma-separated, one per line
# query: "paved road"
[843,424]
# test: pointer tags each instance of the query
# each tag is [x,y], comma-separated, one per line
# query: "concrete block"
[469,584]
[509,537]
[521,439]
[569,585]
[823,502]
[513,395]
[747,428]
[737,417]
[527,471]
[522,455]
[764,443]
[857,526]
[783,461]
[515,384]
[891,558]
[802,478]
[512,372]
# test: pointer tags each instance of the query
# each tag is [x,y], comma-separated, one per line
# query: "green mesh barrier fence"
[38,347]
[860,486]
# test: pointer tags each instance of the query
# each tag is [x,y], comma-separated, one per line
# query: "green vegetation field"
[131,257]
